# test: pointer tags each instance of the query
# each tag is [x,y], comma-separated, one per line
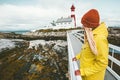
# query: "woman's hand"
[74,59]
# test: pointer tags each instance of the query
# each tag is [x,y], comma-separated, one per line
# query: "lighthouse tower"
[73,14]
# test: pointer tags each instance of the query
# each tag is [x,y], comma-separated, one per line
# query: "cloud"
[27,15]
[31,14]
[41,12]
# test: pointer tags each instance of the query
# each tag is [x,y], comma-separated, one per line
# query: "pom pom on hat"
[91,19]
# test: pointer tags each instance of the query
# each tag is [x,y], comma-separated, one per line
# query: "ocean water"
[17,32]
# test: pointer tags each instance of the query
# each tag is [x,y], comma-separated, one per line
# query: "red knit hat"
[91,19]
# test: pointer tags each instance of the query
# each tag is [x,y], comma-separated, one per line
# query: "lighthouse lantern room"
[73,14]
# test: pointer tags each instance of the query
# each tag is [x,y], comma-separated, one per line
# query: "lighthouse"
[73,14]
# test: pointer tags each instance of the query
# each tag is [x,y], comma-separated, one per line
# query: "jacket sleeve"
[101,60]
[78,56]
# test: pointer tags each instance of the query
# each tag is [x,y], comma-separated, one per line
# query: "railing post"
[112,56]
[74,70]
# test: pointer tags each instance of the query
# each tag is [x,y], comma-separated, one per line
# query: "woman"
[94,53]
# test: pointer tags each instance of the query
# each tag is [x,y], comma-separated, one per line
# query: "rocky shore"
[34,60]
[49,34]
[34,56]
[114,35]
[39,55]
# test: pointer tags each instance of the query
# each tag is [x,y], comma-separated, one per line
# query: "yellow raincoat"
[92,67]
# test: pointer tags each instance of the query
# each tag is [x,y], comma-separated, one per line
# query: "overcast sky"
[33,14]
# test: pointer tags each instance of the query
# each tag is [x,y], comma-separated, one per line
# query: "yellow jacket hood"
[101,30]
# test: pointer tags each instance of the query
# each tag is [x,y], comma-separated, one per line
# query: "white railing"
[74,65]
[114,60]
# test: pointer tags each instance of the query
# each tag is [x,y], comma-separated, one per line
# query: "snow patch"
[35,43]
[6,43]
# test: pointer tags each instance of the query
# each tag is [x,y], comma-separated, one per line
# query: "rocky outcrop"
[114,35]
[36,35]
[48,34]
[36,60]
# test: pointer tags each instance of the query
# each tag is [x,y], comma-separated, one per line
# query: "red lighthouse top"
[72,8]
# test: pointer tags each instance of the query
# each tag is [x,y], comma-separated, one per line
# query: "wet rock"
[47,47]
[114,35]
[31,59]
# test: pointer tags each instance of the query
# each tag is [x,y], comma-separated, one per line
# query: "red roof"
[72,7]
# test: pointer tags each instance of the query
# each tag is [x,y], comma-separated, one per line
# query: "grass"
[56,30]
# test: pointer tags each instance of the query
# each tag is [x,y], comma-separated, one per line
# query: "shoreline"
[61,34]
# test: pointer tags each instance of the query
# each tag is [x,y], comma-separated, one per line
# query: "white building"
[65,22]
[62,22]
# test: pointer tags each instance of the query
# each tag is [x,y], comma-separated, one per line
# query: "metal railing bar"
[80,38]
[113,73]
[73,65]
[114,47]
[114,60]
[80,34]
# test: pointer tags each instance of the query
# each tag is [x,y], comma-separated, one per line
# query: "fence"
[73,65]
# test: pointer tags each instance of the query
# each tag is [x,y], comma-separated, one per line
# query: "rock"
[114,36]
